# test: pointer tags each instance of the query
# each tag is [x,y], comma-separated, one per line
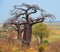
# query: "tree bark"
[41,39]
[19,35]
[27,34]
[19,32]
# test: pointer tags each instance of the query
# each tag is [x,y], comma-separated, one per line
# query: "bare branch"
[38,20]
[18,15]
[14,28]
[16,7]
[32,12]
[11,20]
[49,16]
[30,6]
[21,9]
[33,7]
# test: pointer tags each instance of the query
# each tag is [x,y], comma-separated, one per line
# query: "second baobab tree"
[22,15]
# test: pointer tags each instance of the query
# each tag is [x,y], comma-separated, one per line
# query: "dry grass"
[55,31]
[11,45]
[53,47]
[7,45]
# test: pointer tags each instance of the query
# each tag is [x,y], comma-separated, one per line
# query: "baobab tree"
[25,11]
[15,24]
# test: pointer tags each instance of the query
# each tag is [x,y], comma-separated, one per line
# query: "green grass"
[54,38]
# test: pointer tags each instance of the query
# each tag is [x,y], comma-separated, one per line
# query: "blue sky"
[51,6]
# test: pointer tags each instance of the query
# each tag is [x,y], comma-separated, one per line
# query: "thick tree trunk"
[27,34]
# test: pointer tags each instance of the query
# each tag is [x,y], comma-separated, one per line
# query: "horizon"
[43,22]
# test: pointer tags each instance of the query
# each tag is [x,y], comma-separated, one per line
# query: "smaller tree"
[41,30]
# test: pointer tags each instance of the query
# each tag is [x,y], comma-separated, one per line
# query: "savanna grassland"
[55,31]
[54,38]
[9,43]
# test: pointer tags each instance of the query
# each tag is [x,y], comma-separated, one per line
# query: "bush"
[45,41]
[41,48]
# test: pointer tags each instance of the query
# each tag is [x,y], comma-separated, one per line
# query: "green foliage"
[41,28]
[41,31]
[45,41]
[41,48]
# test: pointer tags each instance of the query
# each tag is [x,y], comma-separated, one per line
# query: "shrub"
[41,48]
[45,41]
